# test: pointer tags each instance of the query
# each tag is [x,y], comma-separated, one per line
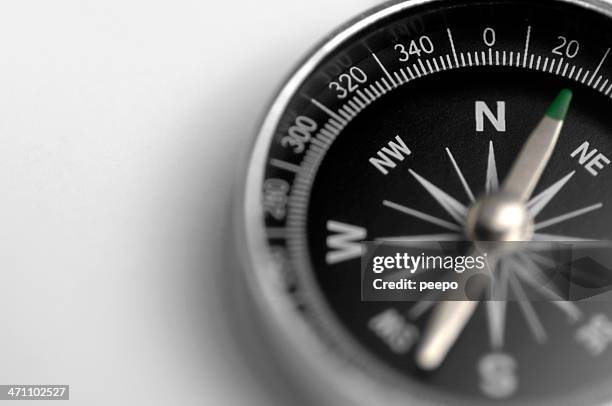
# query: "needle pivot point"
[559,107]
[499,217]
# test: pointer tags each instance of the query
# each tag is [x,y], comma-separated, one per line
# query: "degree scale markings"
[452,43]
[339,119]
[373,91]
[386,72]
[599,67]
[526,47]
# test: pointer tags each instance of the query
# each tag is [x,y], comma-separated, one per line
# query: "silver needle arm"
[535,154]
[445,325]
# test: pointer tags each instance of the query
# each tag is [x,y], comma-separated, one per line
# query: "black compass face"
[355,194]
[397,134]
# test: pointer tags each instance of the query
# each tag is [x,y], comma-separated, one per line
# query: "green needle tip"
[558,108]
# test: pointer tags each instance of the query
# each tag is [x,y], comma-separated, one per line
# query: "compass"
[437,121]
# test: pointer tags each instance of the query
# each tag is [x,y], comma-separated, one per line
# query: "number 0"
[489,36]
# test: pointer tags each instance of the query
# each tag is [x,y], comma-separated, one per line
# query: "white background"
[121,126]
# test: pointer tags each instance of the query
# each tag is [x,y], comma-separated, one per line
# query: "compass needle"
[450,318]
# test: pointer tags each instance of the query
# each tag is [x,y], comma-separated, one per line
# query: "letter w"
[345,244]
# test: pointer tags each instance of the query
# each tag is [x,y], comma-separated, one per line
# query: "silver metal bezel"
[315,365]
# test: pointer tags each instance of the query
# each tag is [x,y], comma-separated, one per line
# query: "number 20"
[567,48]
